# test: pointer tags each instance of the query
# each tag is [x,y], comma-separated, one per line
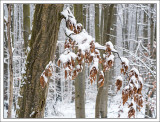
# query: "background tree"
[80,80]
[10,62]
[102,96]
[26,23]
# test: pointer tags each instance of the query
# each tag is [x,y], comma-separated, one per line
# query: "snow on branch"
[81,48]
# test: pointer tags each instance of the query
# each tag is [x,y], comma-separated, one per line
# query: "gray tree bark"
[97,38]
[102,96]
[80,80]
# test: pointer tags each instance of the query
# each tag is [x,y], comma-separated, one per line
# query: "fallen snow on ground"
[67,110]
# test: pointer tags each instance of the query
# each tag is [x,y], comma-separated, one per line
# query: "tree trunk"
[78,12]
[80,80]
[10,63]
[26,23]
[102,96]
[84,15]
[151,32]
[43,44]
[98,101]
[80,94]
[97,23]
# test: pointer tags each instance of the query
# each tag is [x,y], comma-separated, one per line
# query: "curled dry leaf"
[131,112]
[125,95]
[65,74]
[42,82]
[93,74]
[58,62]
[118,84]
[74,74]
[130,105]
[139,100]
[122,70]
[101,79]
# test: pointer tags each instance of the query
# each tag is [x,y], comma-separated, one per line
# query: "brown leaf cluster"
[139,101]
[124,68]
[101,79]
[80,57]
[88,57]
[118,84]
[140,89]
[48,73]
[93,74]
[69,44]
[125,95]
[131,112]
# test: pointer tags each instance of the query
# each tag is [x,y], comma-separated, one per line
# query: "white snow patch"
[104,55]
[45,78]
[98,46]
[119,78]
[100,81]
[102,73]
[135,70]
[65,58]
[141,80]
[92,54]
[29,37]
[32,113]
[97,51]
[84,47]
[68,15]
[79,24]
[78,66]
[109,43]
[67,68]
[114,50]
[73,55]
[125,60]
[6,18]
[82,37]
[111,58]
[69,32]
[134,79]
[95,64]
[126,87]
[28,49]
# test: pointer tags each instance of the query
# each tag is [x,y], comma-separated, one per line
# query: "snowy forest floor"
[67,110]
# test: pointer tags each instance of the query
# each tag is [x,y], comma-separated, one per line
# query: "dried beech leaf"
[42,81]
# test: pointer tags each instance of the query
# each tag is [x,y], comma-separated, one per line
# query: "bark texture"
[80,80]
[102,96]
[10,63]
[97,23]
[26,23]
[43,44]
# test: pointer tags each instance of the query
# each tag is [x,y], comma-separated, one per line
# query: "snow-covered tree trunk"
[10,63]
[43,43]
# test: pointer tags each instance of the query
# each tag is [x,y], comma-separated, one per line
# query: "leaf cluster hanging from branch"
[86,50]
[81,48]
